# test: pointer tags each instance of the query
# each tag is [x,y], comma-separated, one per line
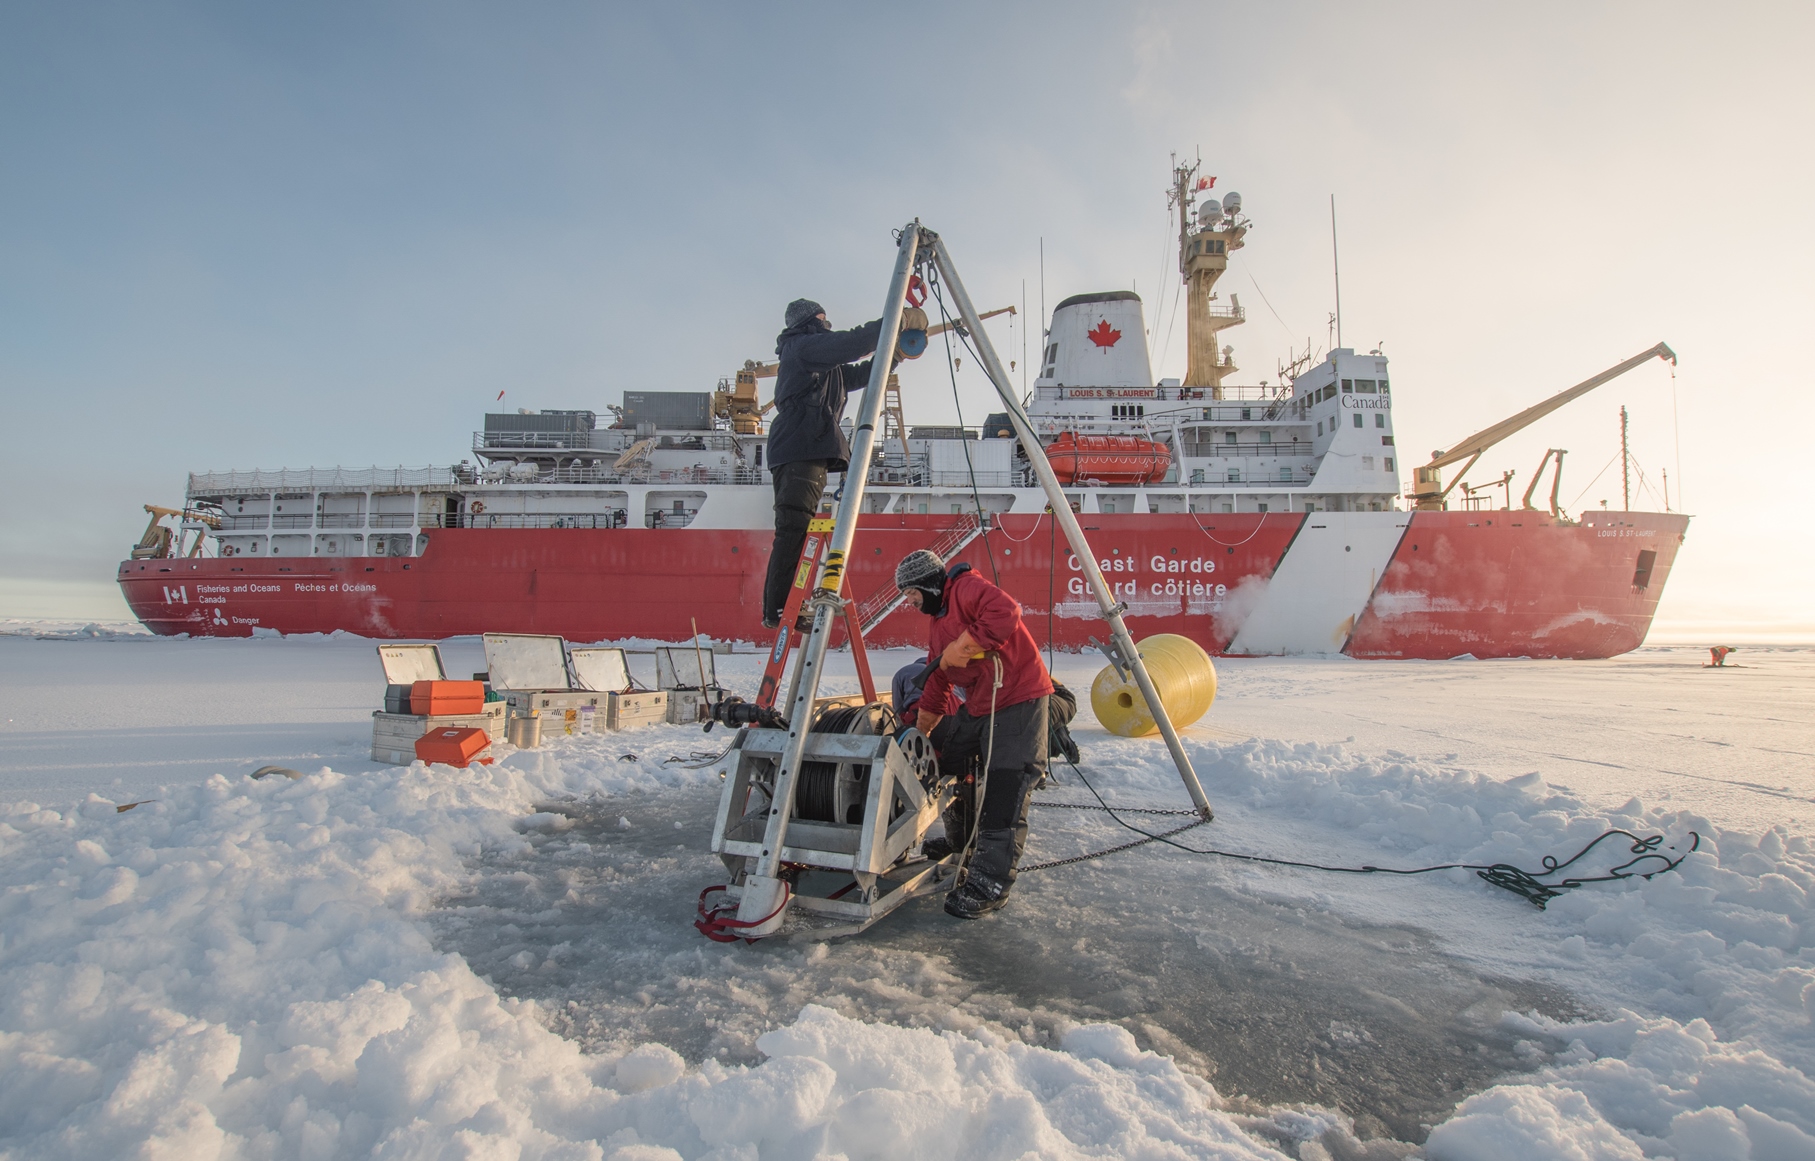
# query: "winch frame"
[845,874]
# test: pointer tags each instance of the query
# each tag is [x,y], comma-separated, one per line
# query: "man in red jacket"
[982,648]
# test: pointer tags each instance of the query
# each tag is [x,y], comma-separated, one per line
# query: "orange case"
[447,697]
[455,746]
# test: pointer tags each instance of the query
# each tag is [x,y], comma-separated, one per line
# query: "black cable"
[971,468]
[1527,884]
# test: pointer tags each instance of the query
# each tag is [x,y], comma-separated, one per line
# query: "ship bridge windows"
[1364,387]
[1127,410]
[1357,418]
[1348,386]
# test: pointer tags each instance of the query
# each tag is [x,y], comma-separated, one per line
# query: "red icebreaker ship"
[1258,520]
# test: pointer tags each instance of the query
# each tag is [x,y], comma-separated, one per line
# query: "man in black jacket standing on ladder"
[806,441]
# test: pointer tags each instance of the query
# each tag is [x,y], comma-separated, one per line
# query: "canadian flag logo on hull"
[1104,335]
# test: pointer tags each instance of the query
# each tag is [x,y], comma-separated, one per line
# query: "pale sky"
[262,236]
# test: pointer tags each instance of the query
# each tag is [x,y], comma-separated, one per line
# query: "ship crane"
[161,542]
[1429,493]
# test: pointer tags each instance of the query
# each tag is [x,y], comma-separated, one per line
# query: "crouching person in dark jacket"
[806,441]
[984,649]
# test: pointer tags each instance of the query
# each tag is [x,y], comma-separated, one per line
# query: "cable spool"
[834,791]
[911,341]
[1182,673]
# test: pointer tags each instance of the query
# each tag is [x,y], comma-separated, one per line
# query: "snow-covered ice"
[497,963]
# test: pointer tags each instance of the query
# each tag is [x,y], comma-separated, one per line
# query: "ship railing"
[317,480]
[342,520]
[1202,478]
[532,441]
[393,519]
[1164,394]
[244,523]
[581,520]
[585,474]
[1211,451]
[887,598]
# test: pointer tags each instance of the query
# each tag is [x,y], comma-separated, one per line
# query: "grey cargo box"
[406,664]
[524,661]
[627,710]
[394,735]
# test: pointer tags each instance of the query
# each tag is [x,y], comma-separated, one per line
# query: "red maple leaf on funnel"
[1104,335]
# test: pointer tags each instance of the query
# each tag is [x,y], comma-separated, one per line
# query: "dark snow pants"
[798,487]
[1017,760]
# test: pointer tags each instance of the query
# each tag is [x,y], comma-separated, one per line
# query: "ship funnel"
[1098,340]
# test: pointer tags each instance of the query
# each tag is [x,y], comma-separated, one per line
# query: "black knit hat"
[802,309]
[921,569]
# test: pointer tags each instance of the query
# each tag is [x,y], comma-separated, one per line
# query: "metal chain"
[1140,842]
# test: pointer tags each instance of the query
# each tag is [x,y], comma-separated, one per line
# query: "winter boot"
[976,898]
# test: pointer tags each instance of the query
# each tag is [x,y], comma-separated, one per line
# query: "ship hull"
[1382,585]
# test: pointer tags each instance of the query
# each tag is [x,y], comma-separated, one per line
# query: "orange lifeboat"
[1108,459]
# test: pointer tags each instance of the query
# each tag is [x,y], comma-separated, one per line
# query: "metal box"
[406,664]
[687,707]
[603,670]
[551,705]
[524,661]
[684,667]
[643,708]
[677,410]
[394,735]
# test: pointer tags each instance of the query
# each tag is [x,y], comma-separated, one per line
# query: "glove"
[961,652]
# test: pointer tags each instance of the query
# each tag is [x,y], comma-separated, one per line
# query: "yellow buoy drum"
[1182,673]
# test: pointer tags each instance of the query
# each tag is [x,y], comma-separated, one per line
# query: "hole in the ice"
[1277,1003]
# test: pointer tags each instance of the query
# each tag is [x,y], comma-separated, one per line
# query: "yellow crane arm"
[1427,481]
[1487,437]
[208,518]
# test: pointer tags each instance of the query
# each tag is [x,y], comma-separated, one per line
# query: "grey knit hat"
[802,309]
[920,569]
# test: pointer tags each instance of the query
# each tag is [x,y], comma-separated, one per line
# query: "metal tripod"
[763,903]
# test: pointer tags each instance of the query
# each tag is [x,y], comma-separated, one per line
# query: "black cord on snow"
[1530,885]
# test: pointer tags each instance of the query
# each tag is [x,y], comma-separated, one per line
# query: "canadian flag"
[1204,183]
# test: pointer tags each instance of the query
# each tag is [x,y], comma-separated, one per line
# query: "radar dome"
[1232,203]
[1209,213]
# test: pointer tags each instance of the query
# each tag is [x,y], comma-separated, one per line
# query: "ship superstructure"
[1257,519]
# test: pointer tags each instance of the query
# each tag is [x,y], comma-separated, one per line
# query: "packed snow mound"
[241,969]
[238,970]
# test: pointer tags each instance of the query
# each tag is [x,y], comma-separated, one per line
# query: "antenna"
[1625,465]
[1336,268]
[1045,321]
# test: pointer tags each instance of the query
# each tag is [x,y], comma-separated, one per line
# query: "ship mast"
[1203,255]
